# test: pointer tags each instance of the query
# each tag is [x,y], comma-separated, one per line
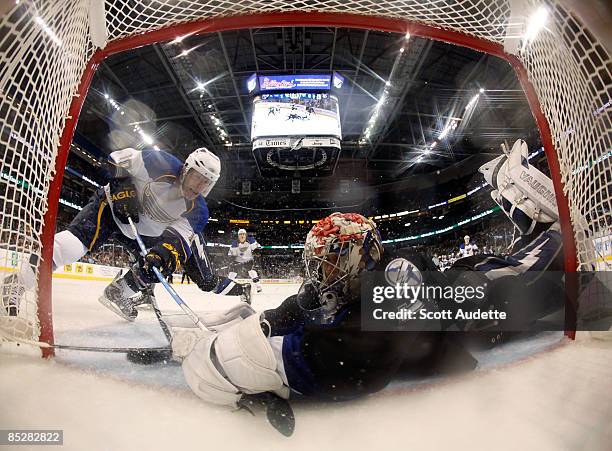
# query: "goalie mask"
[337,249]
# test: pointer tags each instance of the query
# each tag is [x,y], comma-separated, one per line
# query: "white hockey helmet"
[338,248]
[206,163]
[242,232]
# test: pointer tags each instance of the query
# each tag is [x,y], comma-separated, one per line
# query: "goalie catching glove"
[233,359]
[125,200]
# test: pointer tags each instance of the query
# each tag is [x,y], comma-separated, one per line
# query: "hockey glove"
[164,257]
[125,200]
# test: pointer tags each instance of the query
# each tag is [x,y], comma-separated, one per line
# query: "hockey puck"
[149,356]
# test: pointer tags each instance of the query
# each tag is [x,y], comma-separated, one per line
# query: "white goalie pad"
[221,367]
[530,181]
[526,195]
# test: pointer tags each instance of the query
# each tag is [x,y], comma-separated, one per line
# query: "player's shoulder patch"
[234,243]
[401,271]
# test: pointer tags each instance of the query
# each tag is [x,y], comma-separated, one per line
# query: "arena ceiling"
[192,92]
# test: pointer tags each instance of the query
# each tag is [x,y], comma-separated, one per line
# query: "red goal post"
[52,52]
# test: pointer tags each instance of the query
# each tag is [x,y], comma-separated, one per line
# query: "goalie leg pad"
[525,194]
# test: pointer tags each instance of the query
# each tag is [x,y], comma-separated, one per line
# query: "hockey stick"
[173,294]
[100,349]
[148,356]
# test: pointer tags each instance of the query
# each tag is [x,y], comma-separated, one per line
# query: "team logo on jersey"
[401,271]
[152,207]
[125,194]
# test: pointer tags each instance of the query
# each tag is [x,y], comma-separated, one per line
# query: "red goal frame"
[309,19]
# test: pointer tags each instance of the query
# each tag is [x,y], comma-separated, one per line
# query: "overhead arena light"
[146,138]
[179,39]
[537,21]
[452,125]
[472,101]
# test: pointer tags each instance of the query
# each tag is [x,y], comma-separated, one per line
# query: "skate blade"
[112,307]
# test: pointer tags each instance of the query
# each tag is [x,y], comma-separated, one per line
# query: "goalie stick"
[278,410]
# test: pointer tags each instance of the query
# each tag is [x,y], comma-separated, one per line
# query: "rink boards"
[11,260]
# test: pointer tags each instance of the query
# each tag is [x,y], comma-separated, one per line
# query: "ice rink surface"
[540,393]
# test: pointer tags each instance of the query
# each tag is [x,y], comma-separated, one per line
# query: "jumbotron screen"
[295,114]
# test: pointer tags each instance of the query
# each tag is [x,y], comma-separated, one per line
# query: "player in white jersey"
[243,258]
[164,198]
[467,249]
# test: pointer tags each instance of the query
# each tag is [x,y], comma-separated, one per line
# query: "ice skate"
[145,299]
[116,299]
[245,296]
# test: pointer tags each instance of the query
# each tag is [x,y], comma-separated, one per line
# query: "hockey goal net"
[50,51]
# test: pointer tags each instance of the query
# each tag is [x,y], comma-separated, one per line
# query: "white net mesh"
[46,46]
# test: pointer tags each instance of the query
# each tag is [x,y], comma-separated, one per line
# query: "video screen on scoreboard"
[295,114]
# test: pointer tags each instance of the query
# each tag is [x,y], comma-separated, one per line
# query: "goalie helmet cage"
[51,50]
